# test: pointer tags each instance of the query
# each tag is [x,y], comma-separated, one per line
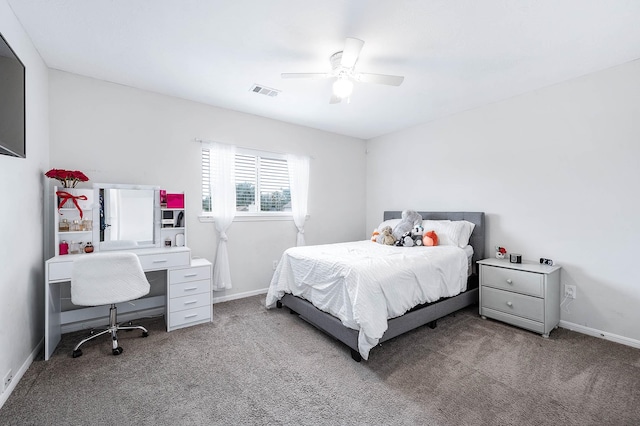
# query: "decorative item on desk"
[65,196]
[175,201]
[500,252]
[167,242]
[63,226]
[68,178]
[515,258]
[179,240]
[88,248]
[63,248]
[163,198]
[87,225]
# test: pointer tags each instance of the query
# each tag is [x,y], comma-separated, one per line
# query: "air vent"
[262,90]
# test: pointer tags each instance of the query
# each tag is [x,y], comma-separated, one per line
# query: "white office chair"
[107,278]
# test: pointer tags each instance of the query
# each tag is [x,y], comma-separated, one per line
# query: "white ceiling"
[454,54]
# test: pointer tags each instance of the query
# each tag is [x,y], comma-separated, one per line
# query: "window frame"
[240,215]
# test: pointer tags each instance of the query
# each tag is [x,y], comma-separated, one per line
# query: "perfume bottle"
[63,248]
[88,248]
[63,226]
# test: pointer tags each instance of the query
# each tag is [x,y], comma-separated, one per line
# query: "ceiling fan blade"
[315,75]
[391,80]
[352,48]
[335,99]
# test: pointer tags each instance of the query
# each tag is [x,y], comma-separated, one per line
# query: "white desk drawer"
[513,303]
[200,314]
[151,262]
[189,288]
[189,302]
[60,271]
[512,280]
[196,273]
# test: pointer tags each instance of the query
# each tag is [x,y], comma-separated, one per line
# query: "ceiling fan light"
[342,88]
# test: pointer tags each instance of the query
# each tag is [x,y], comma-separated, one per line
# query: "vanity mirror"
[128,216]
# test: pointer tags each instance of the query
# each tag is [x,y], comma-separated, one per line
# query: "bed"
[342,289]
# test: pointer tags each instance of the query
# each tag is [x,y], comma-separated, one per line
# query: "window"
[262,182]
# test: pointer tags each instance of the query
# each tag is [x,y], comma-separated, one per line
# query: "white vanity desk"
[187,301]
[128,218]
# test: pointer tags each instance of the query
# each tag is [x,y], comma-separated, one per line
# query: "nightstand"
[525,294]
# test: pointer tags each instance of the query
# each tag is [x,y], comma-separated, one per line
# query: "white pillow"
[450,233]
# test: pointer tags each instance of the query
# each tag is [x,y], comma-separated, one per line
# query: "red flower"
[69,178]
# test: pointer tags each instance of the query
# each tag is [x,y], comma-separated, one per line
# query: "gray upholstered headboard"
[477,237]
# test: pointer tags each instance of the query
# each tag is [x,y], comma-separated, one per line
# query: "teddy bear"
[410,219]
[386,236]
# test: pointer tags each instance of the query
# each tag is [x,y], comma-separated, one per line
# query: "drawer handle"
[190,316]
[509,281]
[190,275]
[190,288]
[509,304]
[191,302]
[160,261]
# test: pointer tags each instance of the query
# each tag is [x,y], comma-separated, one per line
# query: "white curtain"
[299,185]
[223,200]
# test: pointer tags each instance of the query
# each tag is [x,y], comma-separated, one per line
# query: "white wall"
[556,172]
[118,134]
[21,217]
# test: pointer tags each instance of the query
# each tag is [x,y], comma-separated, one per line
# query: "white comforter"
[364,284]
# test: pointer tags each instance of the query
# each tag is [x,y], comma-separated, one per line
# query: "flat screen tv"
[12,103]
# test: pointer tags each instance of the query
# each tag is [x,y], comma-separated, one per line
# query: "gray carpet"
[262,367]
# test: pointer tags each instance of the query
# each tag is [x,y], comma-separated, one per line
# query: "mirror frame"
[105,246]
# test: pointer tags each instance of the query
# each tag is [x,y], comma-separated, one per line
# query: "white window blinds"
[262,183]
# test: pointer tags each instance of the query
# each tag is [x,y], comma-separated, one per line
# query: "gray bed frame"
[418,316]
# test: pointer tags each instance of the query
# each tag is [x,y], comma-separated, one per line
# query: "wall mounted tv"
[12,103]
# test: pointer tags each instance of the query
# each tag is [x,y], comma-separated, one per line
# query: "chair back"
[105,278]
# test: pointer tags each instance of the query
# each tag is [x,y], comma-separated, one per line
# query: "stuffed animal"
[374,236]
[386,236]
[430,238]
[406,240]
[410,219]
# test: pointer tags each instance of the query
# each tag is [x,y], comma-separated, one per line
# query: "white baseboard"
[18,375]
[239,295]
[601,334]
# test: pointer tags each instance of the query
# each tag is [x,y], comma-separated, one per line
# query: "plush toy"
[374,236]
[386,236]
[405,240]
[410,219]
[430,238]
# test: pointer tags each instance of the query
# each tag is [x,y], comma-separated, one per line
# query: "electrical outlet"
[570,291]
[275,264]
[7,380]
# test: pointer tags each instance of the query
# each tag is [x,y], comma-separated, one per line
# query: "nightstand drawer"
[512,280]
[513,303]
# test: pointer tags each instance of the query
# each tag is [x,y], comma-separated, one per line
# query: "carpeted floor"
[253,366]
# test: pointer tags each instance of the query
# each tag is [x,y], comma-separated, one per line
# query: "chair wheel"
[145,334]
[117,351]
[76,353]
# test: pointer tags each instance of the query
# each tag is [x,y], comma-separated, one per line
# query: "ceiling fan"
[343,70]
